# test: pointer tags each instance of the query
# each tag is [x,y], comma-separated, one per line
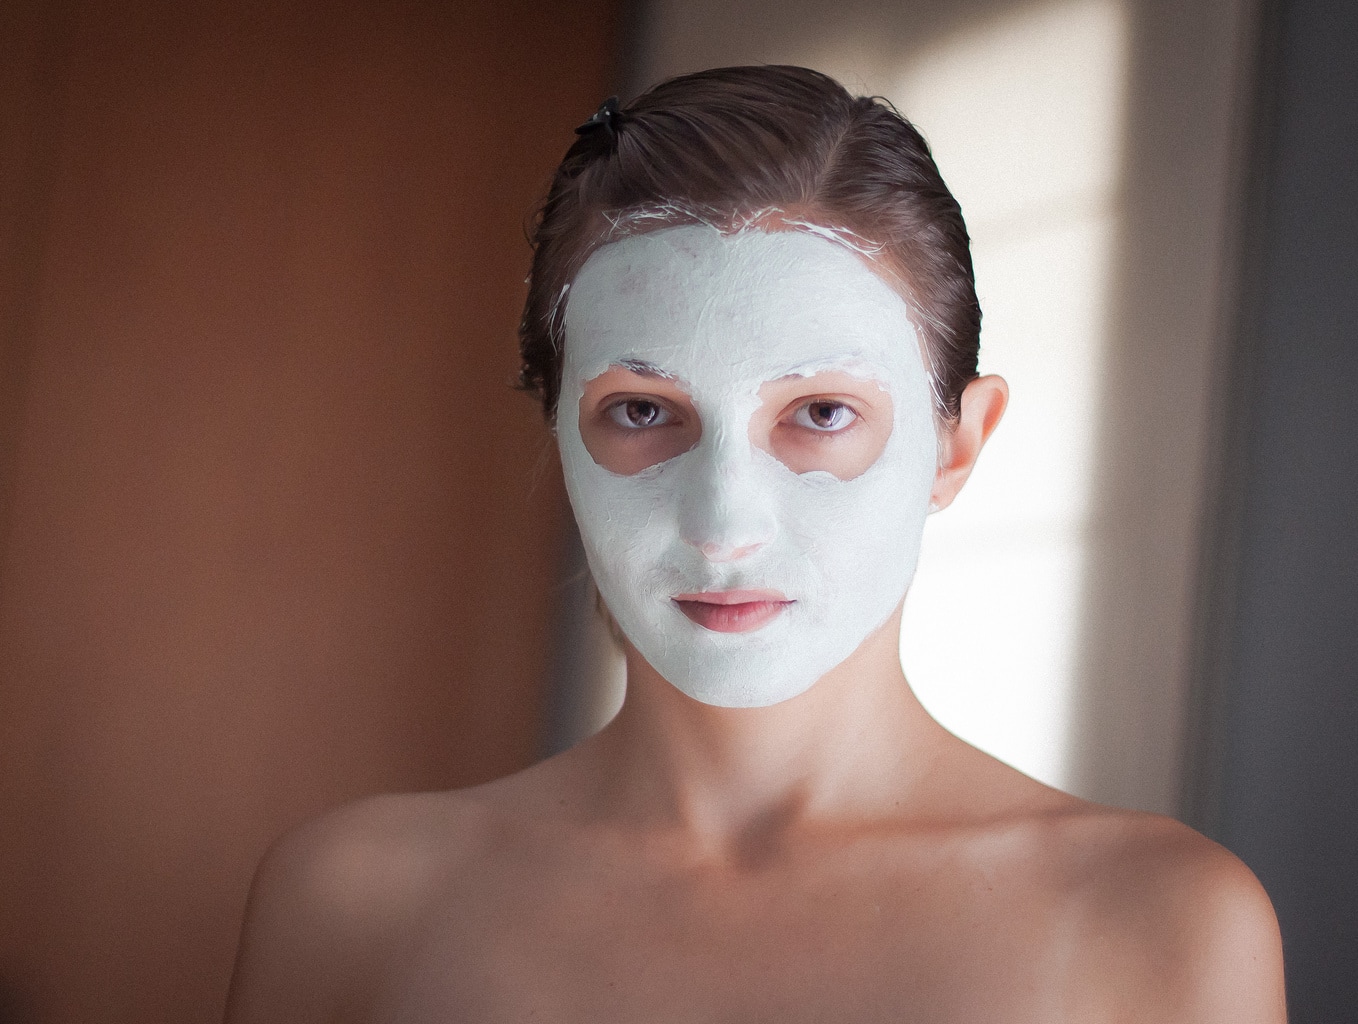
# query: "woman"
[752,321]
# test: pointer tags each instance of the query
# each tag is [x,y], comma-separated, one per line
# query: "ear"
[983,402]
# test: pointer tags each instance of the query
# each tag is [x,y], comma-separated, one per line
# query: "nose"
[725,513]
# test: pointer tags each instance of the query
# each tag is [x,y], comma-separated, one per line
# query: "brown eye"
[639,413]
[824,416]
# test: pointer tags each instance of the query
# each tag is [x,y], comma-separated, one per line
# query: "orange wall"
[275,532]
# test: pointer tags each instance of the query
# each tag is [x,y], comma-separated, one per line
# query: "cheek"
[860,541]
[628,452]
[846,454]
[884,502]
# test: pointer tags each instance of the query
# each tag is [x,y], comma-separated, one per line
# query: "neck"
[855,745]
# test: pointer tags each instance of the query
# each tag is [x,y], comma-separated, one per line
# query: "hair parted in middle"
[733,146]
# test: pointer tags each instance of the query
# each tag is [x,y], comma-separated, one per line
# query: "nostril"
[715,552]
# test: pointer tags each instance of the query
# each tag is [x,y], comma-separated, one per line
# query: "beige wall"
[274,530]
[1147,459]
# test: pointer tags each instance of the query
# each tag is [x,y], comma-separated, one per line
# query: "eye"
[639,413]
[824,416]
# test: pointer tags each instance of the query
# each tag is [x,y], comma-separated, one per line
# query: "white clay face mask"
[720,316]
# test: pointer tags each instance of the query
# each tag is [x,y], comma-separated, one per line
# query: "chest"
[924,942]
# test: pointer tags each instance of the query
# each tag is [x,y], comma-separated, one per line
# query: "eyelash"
[617,413]
[802,416]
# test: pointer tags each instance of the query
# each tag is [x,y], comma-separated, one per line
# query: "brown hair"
[725,145]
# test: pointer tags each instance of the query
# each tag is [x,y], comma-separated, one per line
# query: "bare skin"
[835,857]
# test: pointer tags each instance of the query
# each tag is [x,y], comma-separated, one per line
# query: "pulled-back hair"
[730,146]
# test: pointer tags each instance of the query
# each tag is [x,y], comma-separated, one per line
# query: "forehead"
[704,306]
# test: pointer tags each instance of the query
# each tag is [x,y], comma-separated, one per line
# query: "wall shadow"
[1160,433]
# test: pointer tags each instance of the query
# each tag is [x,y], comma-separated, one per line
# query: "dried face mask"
[721,315]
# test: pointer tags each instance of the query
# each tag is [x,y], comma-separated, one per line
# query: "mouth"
[732,611]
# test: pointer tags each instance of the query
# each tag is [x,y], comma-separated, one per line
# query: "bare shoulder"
[1143,918]
[332,897]
[1167,920]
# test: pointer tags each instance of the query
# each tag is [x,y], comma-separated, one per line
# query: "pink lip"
[732,611]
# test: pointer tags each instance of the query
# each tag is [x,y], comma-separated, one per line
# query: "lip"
[732,611]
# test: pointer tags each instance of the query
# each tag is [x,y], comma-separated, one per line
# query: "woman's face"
[748,441]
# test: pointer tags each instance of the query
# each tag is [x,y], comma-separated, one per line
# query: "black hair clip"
[606,117]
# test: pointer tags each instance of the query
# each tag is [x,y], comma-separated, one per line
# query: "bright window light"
[1024,117]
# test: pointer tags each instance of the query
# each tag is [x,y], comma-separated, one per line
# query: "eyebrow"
[644,369]
[853,366]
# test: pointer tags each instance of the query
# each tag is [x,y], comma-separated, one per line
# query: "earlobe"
[983,403]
